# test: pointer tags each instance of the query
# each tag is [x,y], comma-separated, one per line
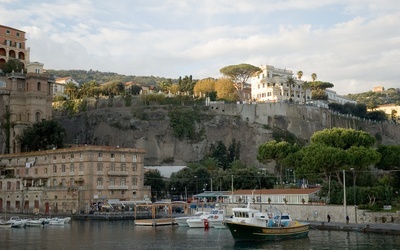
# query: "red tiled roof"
[277,191]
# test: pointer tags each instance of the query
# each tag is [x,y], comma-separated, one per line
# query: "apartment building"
[12,45]
[60,83]
[69,180]
[25,97]
[271,85]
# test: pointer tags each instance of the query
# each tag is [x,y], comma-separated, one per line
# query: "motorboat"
[248,224]
[5,224]
[35,222]
[215,216]
[17,222]
[182,221]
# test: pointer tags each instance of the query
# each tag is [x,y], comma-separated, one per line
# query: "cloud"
[352,44]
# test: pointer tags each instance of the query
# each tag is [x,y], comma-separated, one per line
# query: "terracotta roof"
[277,191]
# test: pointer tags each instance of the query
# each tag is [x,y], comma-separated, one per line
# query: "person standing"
[347,219]
[329,218]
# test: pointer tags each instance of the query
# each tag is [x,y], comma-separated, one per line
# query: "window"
[8,185]
[18,186]
[99,167]
[81,157]
[134,181]
[100,182]
[36,171]
[112,167]
[63,182]
[54,182]
[123,167]
[122,181]
[72,156]
[81,167]
[112,181]
[112,156]
[122,157]
[26,171]
[39,86]
[63,168]
[134,167]
[45,170]
[1,185]
[17,33]
[72,182]
[54,168]
[134,158]
[72,168]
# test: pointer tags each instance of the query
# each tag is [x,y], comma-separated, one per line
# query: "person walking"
[329,218]
[347,219]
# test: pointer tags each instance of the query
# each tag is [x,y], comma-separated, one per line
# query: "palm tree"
[290,81]
[299,74]
[305,87]
[314,77]
[70,89]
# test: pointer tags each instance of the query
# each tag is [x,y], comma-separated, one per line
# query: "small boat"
[216,219]
[35,222]
[59,221]
[182,221]
[5,224]
[17,222]
[215,216]
[249,224]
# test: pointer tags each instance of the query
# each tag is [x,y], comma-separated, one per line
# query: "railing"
[116,187]
[119,173]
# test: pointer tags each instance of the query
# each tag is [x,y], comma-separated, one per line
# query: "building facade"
[271,85]
[25,97]
[70,180]
[60,83]
[12,45]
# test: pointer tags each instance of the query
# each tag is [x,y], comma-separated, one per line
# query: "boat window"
[285,217]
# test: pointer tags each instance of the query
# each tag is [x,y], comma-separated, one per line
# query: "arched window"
[37,117]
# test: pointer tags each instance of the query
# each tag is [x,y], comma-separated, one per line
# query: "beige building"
[12,45]
[70,180]
[25,97]
[271,85]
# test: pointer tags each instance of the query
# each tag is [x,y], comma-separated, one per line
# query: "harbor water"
[125,235]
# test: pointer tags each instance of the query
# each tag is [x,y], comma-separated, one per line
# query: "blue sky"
[354,44]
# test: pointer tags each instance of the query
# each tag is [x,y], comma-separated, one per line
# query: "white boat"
[216,216]
[5,224]
[17,222]
[216,219]
[182,221]
[35,222]
[58,221]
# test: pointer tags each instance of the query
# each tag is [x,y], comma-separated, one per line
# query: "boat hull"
[247,232]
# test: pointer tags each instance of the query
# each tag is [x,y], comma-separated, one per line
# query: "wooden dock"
[156,222]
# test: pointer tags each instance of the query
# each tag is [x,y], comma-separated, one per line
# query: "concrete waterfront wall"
[309,212]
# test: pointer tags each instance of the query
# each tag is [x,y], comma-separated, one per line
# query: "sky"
[353,44]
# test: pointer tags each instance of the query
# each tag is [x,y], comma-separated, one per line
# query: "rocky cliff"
[149,127]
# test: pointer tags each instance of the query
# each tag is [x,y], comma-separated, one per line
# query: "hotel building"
[69,180]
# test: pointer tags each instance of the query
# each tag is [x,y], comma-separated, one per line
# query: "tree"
[314,76]
[343,138]
[13,65]
[390,157]
[89,89]
[71,90]
[277,151]
[290,82]
[154,179]
[42,135]
[204,87]
[239,74]
[225,89]
[299,74]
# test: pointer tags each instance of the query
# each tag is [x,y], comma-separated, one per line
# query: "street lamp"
[354,190]
[196,184]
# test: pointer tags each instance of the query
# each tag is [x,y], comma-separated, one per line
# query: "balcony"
[118,187]
[118,173]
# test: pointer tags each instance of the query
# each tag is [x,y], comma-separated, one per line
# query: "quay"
[381,228]
[156,222]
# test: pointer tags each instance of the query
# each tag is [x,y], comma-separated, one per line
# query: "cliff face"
[149,128]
